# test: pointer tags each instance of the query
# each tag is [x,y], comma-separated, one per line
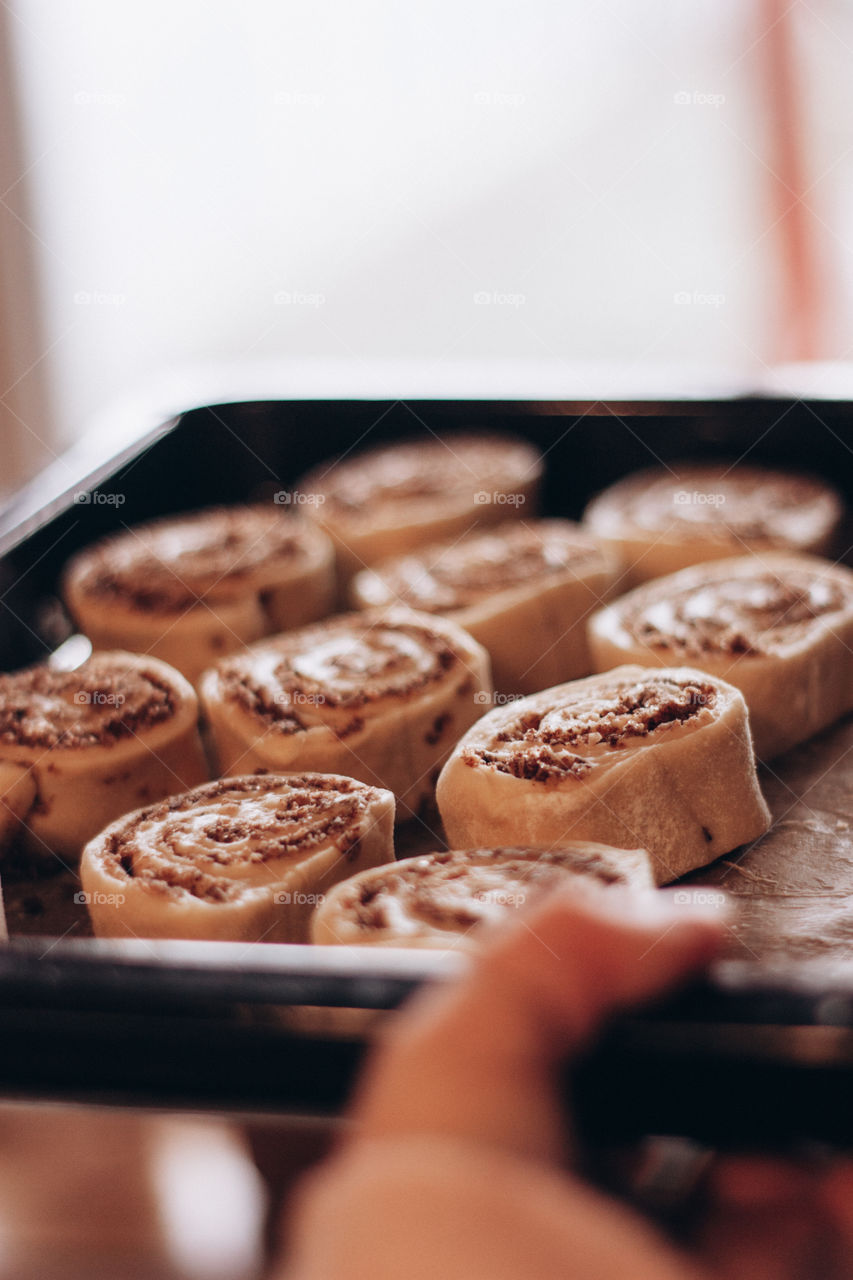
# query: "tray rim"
[117,437]
[141,417]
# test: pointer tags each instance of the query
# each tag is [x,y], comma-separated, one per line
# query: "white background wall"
[343,179]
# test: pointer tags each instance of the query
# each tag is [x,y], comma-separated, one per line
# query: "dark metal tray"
[87,1019]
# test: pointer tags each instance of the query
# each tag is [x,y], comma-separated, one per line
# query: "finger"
[478,1061]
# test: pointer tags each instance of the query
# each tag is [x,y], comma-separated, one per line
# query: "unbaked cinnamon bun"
[191,588]
[443,899]
[17,796]
[117,732]
[779,627]
[242,858]
[524,591]
[666,518]
[655,759]
[386,501]
[379,696]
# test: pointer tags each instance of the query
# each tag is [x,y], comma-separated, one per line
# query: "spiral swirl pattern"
[739,504]
[578,728]
[421,471]
[168,565]
[439,895]
[109,698]
[339,671]
[443,578]
[216,841]
[749,610]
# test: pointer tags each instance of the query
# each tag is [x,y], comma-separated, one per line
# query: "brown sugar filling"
[364,662]
[441,579]
[734,504]
[557,742]
[100,703]
[169,565]
[422,470]
[223,830]
[741,615]
[446,890]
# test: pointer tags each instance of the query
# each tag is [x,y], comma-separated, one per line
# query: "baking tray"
[222,1024]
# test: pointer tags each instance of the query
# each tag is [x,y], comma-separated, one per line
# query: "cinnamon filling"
[442,579]
[218,840]
[569,739]
[741,615]
[458,890]
[739,503]
[333,671]
[100,703]
[421,470]
[169,565]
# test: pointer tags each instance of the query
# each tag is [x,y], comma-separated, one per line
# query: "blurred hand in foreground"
[459,1166]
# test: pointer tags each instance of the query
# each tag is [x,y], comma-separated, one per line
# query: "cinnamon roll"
[524,591]
[656,759]
[389,500]
[117,732]
[242,858]
[17,797]
[377,696]
[779,627]
[440,899]
[664,519]
[191,588]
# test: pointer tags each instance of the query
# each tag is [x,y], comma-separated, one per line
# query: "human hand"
[460,1162]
